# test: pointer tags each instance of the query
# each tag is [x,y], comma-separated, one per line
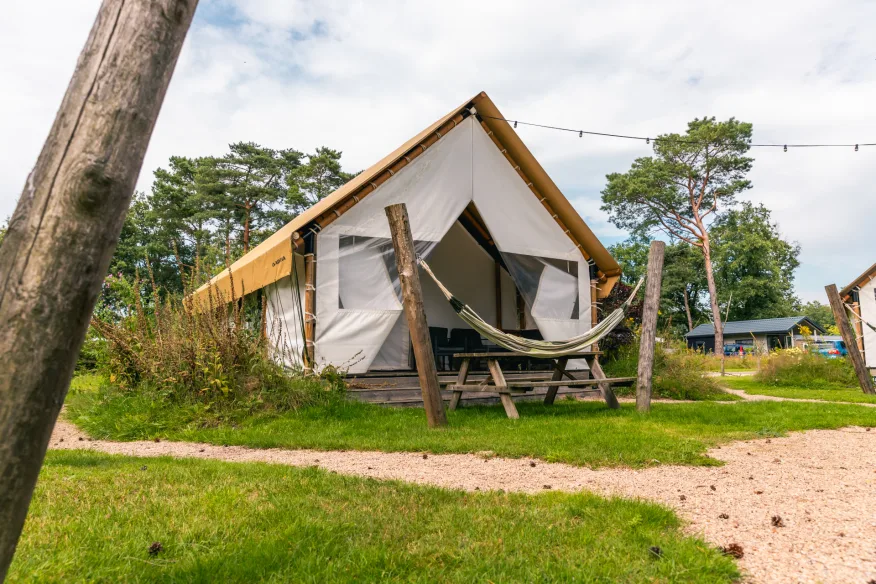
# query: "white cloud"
[365,76]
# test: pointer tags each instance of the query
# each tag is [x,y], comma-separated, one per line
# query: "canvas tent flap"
[356,266]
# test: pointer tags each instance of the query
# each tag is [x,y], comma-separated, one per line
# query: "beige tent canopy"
[477,198]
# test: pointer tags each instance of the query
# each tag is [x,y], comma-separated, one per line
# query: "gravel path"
[821,484]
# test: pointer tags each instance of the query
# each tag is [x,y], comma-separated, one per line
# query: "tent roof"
[268,262]
[760,326]
[859,281]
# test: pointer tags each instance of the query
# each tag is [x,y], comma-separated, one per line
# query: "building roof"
[265,264]
[859,281]
[761,326]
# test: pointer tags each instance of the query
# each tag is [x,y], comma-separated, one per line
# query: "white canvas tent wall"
[861,294]
[359,322]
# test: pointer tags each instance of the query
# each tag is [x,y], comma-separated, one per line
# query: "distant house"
[769,333]
[860,295]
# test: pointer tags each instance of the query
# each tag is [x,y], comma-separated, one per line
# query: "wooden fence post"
[412,298]
[842,321]
[66,225]
[649,326]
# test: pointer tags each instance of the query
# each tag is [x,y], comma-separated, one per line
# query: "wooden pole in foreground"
[66,226]
[842,321]
[649,325]
[412,298]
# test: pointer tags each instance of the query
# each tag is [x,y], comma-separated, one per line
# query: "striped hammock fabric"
[534,348]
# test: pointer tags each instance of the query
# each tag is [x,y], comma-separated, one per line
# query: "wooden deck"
[402,388]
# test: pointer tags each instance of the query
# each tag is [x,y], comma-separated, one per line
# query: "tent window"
[549,286]
[367,272]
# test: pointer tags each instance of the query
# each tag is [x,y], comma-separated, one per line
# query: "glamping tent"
[860,296]
[493,226]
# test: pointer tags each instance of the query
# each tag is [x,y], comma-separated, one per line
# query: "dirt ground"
[803,508]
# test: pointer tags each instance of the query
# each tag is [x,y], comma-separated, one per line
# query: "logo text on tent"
[282,259]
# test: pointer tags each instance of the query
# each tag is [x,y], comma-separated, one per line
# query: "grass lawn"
[94,517]
[836,394]
[584,433]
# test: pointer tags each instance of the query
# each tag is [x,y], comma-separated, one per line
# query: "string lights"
[648,139]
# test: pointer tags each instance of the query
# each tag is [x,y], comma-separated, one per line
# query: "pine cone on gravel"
[733,550]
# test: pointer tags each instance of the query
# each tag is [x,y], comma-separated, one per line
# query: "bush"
[799,368]
[217,359]
[678,371]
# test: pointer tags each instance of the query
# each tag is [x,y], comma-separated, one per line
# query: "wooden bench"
[496,382]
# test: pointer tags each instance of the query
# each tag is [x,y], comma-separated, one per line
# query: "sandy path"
[821,483]
[755,397]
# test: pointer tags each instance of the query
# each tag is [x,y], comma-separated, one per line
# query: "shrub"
[799,368]
[215,358]
[678,371]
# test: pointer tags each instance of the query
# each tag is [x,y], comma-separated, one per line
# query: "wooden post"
[66,226]
[649,326]
[859,326]
[412,298]
[309,304]
[594,309]
[498,281]
[521,310]
[842,321]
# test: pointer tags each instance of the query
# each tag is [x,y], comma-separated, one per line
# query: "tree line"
[208,211]
[726,258]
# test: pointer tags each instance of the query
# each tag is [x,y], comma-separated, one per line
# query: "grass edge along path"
[827,394]
[95,516]
[579,433]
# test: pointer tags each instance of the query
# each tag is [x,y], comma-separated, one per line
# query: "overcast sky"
[363,77]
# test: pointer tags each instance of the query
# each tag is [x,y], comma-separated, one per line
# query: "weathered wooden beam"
[604,385]
[842,321]
[497,279]
[557,375]
[310,306]
[514,355]
[647,340]
[502,388]
[859,326]
[66,226]
[415,311]
[521,309]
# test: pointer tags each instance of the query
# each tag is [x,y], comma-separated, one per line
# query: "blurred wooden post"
[66,225]
[649,326]
[498,279]
[859,326]
[412,299]
[309,303]
[842,321]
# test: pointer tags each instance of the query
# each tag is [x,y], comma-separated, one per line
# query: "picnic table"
[496,383]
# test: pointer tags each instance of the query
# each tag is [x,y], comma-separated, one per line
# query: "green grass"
[828,393]
[94,516]
[582,433]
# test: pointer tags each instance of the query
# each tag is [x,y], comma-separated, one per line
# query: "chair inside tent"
[483,228]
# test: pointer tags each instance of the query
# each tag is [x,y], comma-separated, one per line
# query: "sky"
[363,77]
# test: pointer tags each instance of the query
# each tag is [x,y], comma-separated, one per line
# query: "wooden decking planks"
[402,389]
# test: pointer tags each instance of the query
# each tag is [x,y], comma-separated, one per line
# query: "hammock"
[547,349]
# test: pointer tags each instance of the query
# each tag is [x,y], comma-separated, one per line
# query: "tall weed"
[678,371]
[215,359]
[809,370]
